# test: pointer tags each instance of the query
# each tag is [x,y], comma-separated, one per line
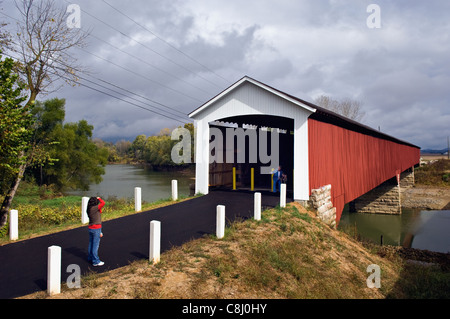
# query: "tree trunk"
[6,205]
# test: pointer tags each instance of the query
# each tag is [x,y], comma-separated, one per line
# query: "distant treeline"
[429,151]
[65,156]
[153,151]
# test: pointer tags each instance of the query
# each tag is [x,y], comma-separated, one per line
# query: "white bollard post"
[283,195]
[257,206]
[155,241]
[174,190]
[54,270]
[84,215]
[13,225]
[220,223]
[137,199]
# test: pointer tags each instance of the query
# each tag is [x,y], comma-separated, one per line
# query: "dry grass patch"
[288,254]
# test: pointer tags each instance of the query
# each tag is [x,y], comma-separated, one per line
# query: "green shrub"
[436,174]
[446,178]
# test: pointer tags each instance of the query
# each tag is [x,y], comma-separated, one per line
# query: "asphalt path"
[23,265]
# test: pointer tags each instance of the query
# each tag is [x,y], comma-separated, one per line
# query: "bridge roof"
[319,113]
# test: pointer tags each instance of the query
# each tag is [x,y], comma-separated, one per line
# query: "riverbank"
[186,169]
[288,254]
[431,189]
[426,197]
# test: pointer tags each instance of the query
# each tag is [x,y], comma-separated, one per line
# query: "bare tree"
[123,147]
[43,42]
[349,108]
[5,37]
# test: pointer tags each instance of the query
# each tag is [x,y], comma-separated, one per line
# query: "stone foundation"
[321,201]
[407,178]
[385,198]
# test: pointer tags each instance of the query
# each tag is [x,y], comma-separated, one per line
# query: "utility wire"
[116,86]
[120,99]
[149,64]
[141,96]
[128,70]
[123,100]
[145,46]
[166,42]
[109,83]
[134,104]
[140,75]
[130,97]
[108,94]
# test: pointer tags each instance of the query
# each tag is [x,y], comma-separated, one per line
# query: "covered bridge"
[316,147]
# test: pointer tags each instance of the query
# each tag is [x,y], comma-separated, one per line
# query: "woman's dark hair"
[92,202]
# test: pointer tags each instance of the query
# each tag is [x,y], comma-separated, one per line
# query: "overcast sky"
[182,53]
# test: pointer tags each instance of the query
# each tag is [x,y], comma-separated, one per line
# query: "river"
[414,228]
[120,180]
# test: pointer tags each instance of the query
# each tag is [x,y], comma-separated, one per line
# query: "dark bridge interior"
[220,175]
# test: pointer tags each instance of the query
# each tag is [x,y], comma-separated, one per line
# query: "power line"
[128,91]
[102,86]
[128,70]
[134,104]
[114,85]
[167,43]
[104,81]
[123,100]
[140,75]
[145,46]
[141,96]
[135,73]
[110,95]
[149,64]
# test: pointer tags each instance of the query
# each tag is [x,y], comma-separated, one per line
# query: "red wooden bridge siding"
[353,163]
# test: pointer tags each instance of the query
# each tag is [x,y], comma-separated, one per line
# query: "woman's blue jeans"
[276,185]
[94,243]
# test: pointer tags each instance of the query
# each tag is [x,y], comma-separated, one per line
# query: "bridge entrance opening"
[244,149]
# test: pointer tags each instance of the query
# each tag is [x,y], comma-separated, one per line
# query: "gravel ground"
[426,197]
[418,256]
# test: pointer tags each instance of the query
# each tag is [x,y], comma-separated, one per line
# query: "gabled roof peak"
[318,113]
[266,87]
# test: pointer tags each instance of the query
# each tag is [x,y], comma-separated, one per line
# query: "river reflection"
[430,230]
[413,228]
[120,180]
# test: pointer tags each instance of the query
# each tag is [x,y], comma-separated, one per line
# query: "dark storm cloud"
[306,48]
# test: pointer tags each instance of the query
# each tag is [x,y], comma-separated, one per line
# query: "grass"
[287,254]
[435,174]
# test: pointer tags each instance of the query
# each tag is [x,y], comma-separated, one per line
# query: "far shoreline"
[183,169]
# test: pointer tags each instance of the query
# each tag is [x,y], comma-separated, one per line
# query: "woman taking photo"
[94,211]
